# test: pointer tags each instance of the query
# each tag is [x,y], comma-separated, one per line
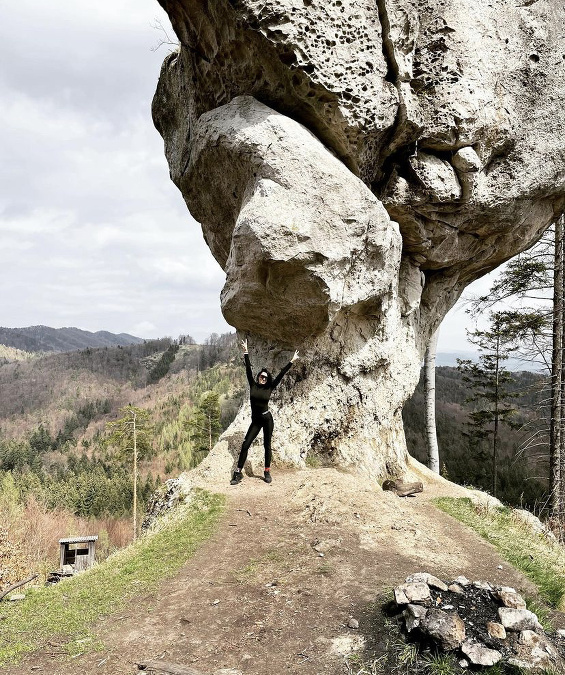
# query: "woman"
[259,394]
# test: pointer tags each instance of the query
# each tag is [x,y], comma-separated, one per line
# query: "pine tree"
[131,433]
[537,275]
[488,380]
[204,423]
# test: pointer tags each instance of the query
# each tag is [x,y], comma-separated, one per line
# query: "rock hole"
[534,58]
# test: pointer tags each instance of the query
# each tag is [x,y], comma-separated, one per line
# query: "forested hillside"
[46,339]
[466,459]
[61,470]
[58,464]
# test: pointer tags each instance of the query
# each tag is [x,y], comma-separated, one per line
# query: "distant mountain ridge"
[46,339]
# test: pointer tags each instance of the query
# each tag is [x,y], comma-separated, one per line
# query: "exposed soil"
[273,590]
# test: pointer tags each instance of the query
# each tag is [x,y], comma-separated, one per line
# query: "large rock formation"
[354,166]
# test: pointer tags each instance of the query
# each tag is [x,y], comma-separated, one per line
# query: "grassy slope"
[69,609]
[540,559]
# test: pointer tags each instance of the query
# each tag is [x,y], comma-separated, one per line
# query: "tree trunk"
[555,434]
[430,398]
[495,434]
[561,416]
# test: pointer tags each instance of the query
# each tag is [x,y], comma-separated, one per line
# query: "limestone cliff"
[354,166]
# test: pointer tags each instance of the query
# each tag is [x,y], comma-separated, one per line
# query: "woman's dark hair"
[269,382]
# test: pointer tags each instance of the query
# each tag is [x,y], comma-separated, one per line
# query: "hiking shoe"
[268,478]
[236,478]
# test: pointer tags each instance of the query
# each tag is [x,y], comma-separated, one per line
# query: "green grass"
[66,613]
[542,561]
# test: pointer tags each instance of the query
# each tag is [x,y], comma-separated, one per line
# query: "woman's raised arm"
[248,370]
[285,370]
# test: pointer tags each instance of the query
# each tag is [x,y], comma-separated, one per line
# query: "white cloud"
[92,231]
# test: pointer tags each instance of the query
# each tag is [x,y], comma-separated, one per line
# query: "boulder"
[479,654]
[413,615]
[518,619]
[354,166]
[415,592]
[511,599]
[446,628]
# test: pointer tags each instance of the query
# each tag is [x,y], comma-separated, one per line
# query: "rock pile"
[485,623]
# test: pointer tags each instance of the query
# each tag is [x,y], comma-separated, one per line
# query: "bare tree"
[430,398]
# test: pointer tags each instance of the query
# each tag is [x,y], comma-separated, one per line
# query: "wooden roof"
[78,540]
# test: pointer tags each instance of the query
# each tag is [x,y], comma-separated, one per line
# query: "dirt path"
[291,562]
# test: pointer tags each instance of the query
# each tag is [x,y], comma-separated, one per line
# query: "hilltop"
[46,339]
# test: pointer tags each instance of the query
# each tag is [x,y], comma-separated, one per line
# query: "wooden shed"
[78,552]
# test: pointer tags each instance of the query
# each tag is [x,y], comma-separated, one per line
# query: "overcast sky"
[93,233]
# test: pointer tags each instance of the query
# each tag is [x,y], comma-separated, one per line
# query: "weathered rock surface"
[511,599]
[496,630]
[447,628]
[479,654]
[288,126]
[412,592]
[413,615]
[173,492]
[518,619]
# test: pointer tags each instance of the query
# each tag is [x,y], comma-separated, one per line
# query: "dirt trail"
[272,591]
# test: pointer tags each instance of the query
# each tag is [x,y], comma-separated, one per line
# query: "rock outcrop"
[354,165]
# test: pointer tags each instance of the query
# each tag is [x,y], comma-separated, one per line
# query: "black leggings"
[266,423]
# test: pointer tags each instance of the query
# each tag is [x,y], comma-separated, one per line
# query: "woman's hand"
[244,346]
[295,357]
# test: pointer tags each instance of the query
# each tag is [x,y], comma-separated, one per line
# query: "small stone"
[447,629]
[561,633]
[463,663]
[499,567]
[455,588]
[400,596]
[462,581]
[216,602]
[446,607]
[413,614]
[479,654]
[482,585]
[508,599]
[325,545]
[529,638]
[496,630]
[17,596]
[414,592]
[353,623]
[425,578]
[466,160]
[518,619]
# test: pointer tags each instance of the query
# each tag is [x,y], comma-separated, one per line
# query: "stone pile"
[484,623]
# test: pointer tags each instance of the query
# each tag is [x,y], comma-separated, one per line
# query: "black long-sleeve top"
[259,395]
